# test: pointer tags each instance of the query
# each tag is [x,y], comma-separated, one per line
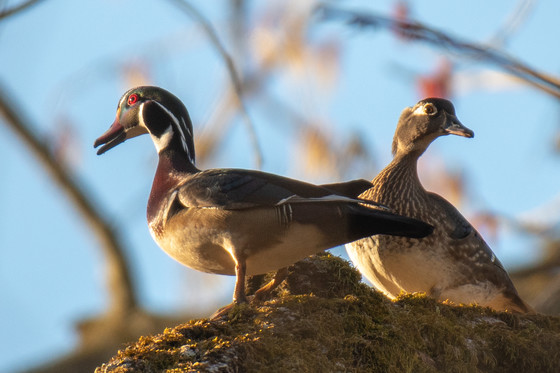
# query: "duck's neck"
[398,184]
[173,167]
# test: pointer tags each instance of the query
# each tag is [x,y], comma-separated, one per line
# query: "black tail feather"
[364,222]
[346,222]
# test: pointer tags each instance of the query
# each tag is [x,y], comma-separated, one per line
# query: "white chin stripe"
[141,117]
[160,142]
[163,141]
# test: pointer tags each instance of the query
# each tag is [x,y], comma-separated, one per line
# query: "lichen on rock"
[325,320]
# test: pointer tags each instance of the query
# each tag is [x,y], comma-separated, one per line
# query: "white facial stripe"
[185,127]
[180,130]
[184,140]
[173,117]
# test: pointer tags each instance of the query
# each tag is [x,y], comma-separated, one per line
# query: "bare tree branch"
[234,76]
[121,291]
[418,31]
[18,8]
[513,22]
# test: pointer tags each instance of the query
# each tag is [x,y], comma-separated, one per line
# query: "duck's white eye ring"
[430,109]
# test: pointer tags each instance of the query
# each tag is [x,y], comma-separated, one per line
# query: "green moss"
[326,320]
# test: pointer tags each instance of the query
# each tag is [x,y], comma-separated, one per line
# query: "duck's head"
[421,124]
[154,111]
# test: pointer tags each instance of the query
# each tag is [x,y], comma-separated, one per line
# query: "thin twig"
[123,298]
[513,22]
[18,8]
[415,30]
[234,76]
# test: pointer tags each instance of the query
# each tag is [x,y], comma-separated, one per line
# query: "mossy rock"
[315,325]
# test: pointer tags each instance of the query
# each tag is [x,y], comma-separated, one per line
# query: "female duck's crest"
[155,111]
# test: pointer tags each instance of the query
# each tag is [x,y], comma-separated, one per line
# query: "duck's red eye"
[132,99]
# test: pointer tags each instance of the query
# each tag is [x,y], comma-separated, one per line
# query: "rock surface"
[325,320]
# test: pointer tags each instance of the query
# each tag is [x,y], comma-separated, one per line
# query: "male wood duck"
[232,221]
[454,263]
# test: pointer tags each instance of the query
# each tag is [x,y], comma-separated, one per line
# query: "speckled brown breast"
[431,264]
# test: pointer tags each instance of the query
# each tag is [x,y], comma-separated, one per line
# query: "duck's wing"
[350,189]
[233,189]
[468,243]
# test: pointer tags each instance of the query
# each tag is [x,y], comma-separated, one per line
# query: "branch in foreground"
[122,295]
[236,82]
[417,31]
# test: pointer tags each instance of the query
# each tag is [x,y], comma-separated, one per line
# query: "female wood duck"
[454,263]
[238,222]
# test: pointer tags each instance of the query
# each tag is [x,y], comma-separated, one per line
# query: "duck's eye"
[430,109]
[132,99]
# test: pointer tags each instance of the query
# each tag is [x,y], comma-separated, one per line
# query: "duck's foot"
[265,292]
[222,312]
[241,300]
[231,311]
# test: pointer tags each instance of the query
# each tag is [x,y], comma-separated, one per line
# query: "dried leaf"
[401,14]
[280,41]
[318,154]
[437,84]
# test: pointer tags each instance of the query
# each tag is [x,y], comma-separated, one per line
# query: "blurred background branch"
[416,31]
[212,35]
[122,295]
[516,18]
[18,8]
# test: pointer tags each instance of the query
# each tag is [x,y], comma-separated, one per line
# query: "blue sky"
[64,62]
